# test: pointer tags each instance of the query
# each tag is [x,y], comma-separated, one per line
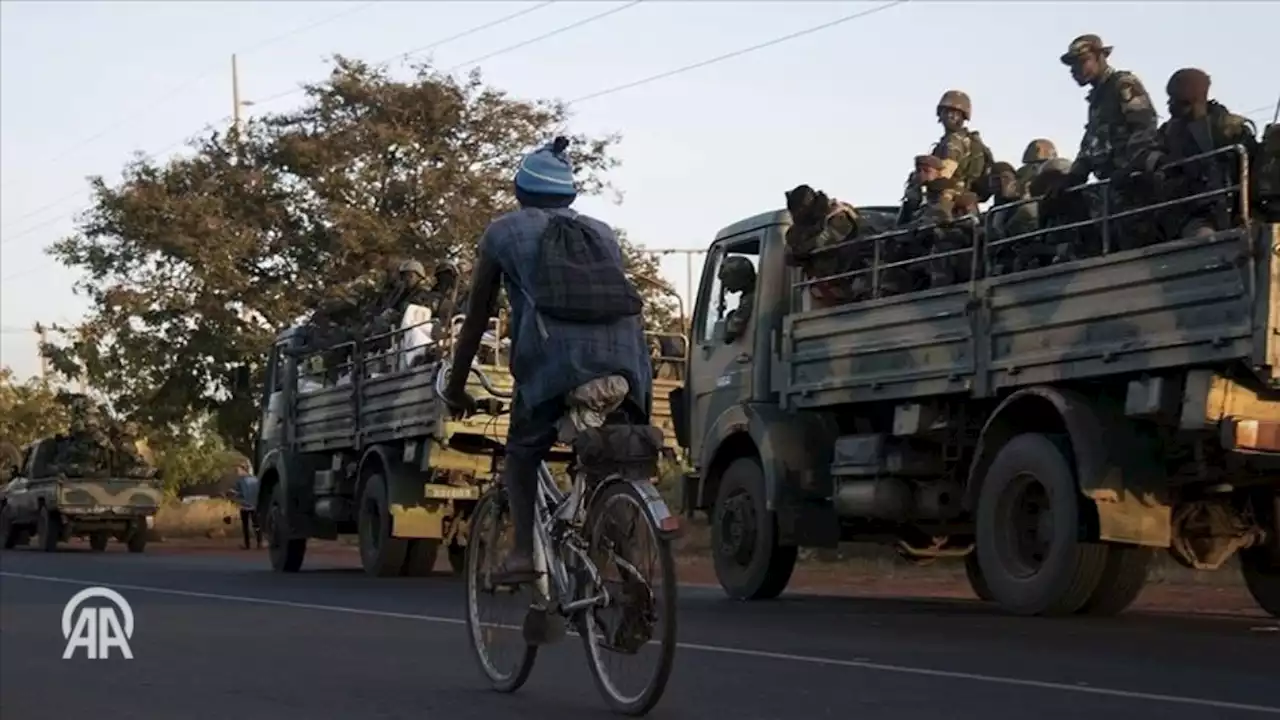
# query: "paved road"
[219,636]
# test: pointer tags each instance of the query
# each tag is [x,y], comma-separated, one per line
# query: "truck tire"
[8,533]
[98,540]
[286,553]
[977,582]
[137,541]
[1029,546]
[420,557]
[380,554]
[457,558]
[1121,582]
[48,529]
[1261,574]
[749,562]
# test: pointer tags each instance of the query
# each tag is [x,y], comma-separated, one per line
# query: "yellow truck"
[366,448]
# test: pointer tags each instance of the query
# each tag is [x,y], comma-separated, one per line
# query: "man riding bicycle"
[575,318]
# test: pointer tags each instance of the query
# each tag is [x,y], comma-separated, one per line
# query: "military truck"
[54,508]
[1055,426]
[371,451]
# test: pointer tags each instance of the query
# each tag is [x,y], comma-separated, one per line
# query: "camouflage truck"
[54,508]
[371,451]
[1055,426]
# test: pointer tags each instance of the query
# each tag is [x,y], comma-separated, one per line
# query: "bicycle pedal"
[541,627]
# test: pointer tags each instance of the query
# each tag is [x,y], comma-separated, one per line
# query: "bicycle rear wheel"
[638,571]
[490,525]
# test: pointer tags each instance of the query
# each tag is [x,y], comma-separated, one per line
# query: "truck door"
[720,365]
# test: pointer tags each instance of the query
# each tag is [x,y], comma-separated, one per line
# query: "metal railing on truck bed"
[395,398]
[1190,301]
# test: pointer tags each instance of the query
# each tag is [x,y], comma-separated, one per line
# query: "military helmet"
[737,274]
[446,268]
[412,266]
[1039,149]
[957,100]
[1084,45]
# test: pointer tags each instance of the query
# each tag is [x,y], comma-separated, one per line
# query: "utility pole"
[688,256]
[235,95]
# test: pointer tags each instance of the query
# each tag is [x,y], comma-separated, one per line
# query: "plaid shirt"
[550,365]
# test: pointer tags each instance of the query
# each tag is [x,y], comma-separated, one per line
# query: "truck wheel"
[1262,576]
[457,558]
[8,533]
[380,554]
[98,540]
[750,564]
[286,553]
[1029,546]
[137,541]
[48,529]
[420,557]
[977,582]
[1123,577]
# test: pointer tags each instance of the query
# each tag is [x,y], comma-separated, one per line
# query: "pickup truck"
[54,508]
[1055,426]
[366,448]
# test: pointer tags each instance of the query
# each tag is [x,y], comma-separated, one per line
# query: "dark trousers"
[530,436]
[247,518]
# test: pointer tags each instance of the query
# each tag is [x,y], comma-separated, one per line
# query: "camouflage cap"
[1039,149]
[1084,45]
[928,161]
[412,266]
[1189,85]
[957,100]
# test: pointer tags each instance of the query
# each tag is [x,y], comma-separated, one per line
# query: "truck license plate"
[451,492]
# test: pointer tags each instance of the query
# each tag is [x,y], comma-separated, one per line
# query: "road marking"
[697,647]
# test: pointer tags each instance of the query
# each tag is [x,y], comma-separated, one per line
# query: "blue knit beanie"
[547,171]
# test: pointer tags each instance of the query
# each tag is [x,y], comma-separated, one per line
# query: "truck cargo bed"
[1189,302]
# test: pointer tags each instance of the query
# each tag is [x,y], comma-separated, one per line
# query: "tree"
[192,266]
[29,410]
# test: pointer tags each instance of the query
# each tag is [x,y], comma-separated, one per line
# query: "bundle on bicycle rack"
[624,449]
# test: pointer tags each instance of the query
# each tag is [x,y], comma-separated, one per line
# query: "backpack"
[577,279]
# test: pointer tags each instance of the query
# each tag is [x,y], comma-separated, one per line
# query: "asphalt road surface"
[219,636]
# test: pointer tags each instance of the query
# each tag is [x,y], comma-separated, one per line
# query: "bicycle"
[571,591]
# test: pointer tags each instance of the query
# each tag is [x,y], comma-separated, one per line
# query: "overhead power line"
[173,92]
[544,36]
[737,53]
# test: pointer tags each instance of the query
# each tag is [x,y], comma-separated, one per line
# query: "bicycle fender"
[664,521]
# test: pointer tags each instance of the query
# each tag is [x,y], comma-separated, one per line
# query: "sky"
[85,85]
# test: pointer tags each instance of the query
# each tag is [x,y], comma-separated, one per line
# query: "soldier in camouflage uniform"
[934,202]
[1197,125]
[1038,152]
[131,453]
[86,451]
[738,275]
[1005,221]
[1121,118]
[819,223]
[967,159]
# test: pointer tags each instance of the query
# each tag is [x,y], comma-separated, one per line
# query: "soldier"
[967,158]
[442,298]
[1006,221]
[738,275]
[409,288]
[1198,125]
[86,451]
[1038,152]
[1120,109]
[131,452]
[1121,118]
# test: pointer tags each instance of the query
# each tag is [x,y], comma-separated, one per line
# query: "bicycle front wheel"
[638,572]
[496,637]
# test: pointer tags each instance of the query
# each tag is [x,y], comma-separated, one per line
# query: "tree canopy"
[28,411]
[193,265]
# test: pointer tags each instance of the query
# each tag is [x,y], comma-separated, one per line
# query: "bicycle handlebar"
[485,382]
